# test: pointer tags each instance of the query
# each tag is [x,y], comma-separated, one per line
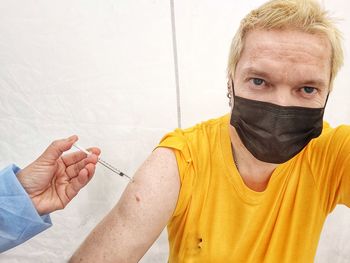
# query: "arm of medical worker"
[19,220]
[139,217]
[48,184]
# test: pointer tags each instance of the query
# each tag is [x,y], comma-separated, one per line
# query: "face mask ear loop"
[326,100]
[325,104]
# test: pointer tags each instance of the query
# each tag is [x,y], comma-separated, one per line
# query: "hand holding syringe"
[104,163]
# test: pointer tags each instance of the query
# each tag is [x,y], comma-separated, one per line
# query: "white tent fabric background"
[104,70]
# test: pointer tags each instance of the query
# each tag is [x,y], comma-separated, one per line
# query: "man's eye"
[257,81]
[308,90]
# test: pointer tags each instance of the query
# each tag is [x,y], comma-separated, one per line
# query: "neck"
[255,173]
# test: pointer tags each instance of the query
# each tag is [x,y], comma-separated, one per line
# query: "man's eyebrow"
[255,71]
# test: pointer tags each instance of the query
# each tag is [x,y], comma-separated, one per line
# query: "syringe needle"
[107,165]
[104,163]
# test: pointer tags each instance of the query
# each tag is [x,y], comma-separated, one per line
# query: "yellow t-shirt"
[219,219]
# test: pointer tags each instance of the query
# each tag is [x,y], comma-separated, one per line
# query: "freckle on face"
[137,198]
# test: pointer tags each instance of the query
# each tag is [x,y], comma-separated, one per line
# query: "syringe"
[104,163]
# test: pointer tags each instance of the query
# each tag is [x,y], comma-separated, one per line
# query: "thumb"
[58,147]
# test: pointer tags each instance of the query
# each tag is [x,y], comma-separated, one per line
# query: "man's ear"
[230,92]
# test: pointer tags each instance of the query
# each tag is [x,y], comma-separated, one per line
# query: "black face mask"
[273,133]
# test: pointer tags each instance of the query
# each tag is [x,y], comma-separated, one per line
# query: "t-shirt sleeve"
[330,163]
[179,144]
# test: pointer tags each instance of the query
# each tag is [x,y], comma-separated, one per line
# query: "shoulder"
[331,143]
[179,137]
[336,135]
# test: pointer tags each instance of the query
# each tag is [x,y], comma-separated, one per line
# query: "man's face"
[284,67]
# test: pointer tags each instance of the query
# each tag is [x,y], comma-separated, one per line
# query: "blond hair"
[304,15]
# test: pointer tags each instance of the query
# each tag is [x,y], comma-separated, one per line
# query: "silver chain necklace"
[234,158]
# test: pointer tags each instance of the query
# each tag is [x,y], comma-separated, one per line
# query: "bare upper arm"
[142,212]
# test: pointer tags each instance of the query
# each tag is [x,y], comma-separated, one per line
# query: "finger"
[94,150]
[74,169]
[91,169]
[58,147]
[75,157]
[77,183]
[80,181]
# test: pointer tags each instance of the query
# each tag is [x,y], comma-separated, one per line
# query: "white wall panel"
[100,69]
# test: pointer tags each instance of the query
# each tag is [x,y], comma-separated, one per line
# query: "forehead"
[289,49]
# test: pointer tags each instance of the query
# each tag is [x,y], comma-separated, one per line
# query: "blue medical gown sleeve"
[19,220]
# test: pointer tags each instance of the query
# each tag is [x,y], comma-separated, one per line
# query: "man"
[255,185]
[48,184]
